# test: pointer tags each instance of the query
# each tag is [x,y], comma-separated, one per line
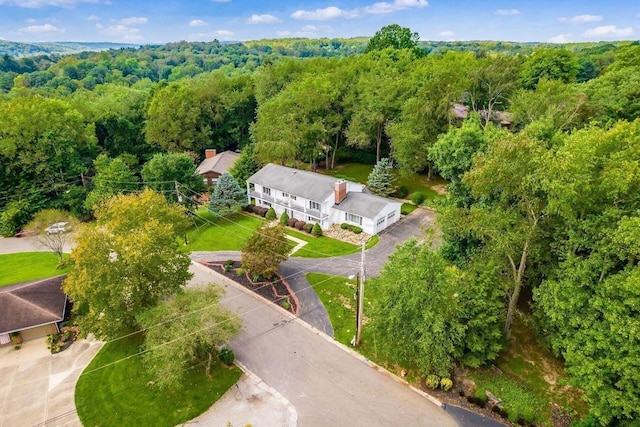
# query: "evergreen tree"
[382,178]
[227,197]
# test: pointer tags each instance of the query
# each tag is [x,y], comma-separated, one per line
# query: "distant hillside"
[19,50]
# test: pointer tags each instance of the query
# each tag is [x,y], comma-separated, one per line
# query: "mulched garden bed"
[277,291]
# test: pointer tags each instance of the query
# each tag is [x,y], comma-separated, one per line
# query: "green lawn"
[27,266]
[119,394]
[213,234]
[222,234]
[336,294]
[321,247]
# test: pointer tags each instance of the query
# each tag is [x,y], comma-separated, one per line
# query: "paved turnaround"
[326,385]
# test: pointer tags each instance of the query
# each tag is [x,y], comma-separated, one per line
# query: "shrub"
[270,214]
[227,356]
[261,210]
[316,230]
[344,226]
[284,219]
[356,229]
[446,384]
[432,381]
[308,227]
[292,222]
[417,198]
[402,192]
[300,225]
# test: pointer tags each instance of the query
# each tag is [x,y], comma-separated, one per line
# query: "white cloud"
[506,12]
[134,20]
[561,38]
[120,31]
[447,34]
[379,8]
[608,30]
[581,19]
[30,20]
[284,33]
[36,4]
[308,28]
[197,23]
[330,12]
[39,29]
[93,18]
[263,19]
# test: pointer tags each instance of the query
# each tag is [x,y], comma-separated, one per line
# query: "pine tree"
[227,197]
[382,178]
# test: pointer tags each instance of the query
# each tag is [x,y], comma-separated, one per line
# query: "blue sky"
[147,21]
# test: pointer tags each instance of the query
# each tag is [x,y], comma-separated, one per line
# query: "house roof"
[29,304]
[310,185]
[220,163]
[363,204]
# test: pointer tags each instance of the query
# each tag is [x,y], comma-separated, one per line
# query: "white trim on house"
[313,197]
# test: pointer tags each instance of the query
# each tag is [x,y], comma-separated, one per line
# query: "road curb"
[345,348]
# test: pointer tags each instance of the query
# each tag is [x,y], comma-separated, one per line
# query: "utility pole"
[360,293]
[178,195]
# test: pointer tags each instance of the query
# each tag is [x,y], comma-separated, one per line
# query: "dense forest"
[540,145]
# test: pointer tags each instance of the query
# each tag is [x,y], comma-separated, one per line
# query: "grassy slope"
[26,266]
[119,394]
[222,234]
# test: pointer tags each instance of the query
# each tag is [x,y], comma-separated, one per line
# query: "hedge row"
[353,228]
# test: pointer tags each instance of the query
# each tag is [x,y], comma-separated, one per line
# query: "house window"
[314,205]
[266,190]
[288,196]
[354,219]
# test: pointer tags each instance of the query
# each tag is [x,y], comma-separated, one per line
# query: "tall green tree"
[198,329]
[431,314]
[245,166]
[549,64]
[227,197]
[127,262]
[382,178]
[112,176]
[393,36]
[163,171]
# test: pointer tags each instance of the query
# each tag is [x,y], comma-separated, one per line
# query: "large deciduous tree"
[393,36]
[163,171]
[127,262]
[265,250]
[431,314]
[112,176]
[198,329]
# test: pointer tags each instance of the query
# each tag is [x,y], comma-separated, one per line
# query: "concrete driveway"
[37,387]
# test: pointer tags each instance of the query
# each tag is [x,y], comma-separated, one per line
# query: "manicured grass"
[321,247]
[407,208]
[336,294]
[27,266]
[224,234]
[120,394]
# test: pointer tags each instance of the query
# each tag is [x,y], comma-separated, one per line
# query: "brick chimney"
[340,191]
[209,152]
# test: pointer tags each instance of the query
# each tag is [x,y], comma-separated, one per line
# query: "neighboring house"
[312,197]
[500,118]
[215,165]
[34,309]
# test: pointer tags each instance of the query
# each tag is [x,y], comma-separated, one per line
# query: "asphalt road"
[327,385]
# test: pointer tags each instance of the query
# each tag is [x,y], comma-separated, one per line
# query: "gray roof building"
[310,185]
[31,304]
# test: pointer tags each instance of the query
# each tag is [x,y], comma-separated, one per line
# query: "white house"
[312,197]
